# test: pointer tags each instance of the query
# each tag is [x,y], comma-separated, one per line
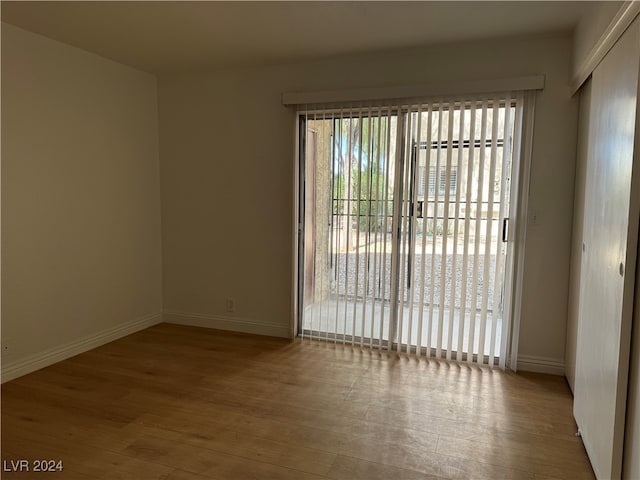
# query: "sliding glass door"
[405,215]
[349,158]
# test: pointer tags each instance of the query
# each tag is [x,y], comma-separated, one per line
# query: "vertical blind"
[405,213]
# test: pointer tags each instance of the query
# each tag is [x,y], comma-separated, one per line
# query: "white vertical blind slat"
[313,186]
[357,195]
[384,229]
[313,261]
[405,234]
[499,253]
[425,215]
[478,230]
[348,174]
[395,231]
[445,229]
[467,223]
[367,183]
[415,148]
[375,198]
[489,230]
[344,193]
[322,328]
[477,234]
[335,225]
[456,231]
[436,209]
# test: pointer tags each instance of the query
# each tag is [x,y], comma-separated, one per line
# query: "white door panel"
[604,322]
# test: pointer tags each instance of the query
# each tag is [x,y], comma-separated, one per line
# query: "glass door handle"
[420,205]
[505,227]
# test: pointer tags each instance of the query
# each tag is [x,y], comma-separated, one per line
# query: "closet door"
[609,250]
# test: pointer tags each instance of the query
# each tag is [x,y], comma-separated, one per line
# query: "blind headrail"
[513,84]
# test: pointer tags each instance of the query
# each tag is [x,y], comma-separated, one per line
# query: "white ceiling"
[171,36]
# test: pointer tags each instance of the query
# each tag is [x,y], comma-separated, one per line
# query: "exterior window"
[421,181]
[440,179]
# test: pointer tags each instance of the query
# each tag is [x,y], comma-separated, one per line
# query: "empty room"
[320,240]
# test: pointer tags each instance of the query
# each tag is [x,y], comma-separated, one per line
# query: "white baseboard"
[20,367]
[530,363]
[222,322]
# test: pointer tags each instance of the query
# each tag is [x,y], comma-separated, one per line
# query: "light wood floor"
[184,403]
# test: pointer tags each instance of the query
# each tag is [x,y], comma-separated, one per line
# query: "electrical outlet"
[534,218]
[231,304]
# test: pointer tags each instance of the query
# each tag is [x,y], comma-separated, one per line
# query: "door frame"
[517,232]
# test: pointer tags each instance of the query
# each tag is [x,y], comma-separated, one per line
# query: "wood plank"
[185,403]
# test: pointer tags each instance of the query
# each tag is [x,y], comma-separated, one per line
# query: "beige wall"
[592,25]
[81,253]
[226,156]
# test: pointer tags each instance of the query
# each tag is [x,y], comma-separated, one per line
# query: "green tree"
[360,146]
